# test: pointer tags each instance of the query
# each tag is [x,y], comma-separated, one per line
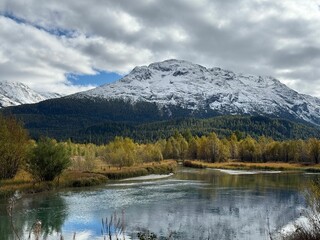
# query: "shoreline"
[78,179]
[268,166]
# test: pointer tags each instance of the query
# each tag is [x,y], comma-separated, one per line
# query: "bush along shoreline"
[163,167]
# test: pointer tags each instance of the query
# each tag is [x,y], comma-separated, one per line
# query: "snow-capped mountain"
[194,87]
[17,93]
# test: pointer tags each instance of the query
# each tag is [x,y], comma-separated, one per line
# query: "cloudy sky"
[72,45]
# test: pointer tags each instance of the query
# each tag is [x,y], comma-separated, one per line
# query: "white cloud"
[107,54]
[278,38]
[36,57]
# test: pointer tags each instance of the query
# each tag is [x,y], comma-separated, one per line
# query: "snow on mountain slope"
[194,87]
[16,93]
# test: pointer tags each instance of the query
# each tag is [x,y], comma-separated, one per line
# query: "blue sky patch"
[54,31]
[99,79]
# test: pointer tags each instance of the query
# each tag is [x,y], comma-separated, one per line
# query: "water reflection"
[224,214]
[192,204]
[50,210]
[5,229]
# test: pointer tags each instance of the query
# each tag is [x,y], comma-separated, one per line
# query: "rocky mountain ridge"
[194,87]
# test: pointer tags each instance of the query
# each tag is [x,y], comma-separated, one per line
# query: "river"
[191,204]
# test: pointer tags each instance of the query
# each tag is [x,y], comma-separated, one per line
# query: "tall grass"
[113,228]
[164,167]
[10,211]
[311,229]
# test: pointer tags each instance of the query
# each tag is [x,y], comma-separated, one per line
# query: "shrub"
[48,160]
[193,164]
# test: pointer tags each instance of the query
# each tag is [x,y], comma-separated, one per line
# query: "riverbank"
[268,166]
[163,167]
[24,183]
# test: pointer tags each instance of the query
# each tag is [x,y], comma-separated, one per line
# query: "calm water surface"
[192,204]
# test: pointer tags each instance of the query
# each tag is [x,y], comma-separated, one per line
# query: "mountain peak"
[172,67]
[172,64]
[17,93]
[196,88]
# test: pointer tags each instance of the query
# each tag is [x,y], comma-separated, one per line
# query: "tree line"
[124,151]
[211,148]
[47,158]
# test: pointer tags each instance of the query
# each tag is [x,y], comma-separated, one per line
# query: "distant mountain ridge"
[196,88]
[17,93]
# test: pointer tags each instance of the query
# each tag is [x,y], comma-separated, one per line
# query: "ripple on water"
[121,195]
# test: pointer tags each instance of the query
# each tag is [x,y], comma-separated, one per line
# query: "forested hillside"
[84,120]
